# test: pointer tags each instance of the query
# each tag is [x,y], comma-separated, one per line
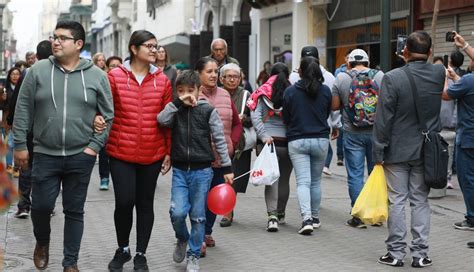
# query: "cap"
[358,55]
[310,51]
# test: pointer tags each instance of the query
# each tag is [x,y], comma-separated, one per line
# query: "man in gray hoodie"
[59,99]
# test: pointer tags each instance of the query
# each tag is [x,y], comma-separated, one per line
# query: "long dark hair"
[280,84]
[311,76]
[138,38]
[9,75]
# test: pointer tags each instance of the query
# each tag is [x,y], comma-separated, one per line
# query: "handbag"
[249,133]
[435,149]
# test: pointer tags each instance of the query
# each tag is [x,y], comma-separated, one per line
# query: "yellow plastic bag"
[372,204]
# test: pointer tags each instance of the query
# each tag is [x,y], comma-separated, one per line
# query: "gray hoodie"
[61,106]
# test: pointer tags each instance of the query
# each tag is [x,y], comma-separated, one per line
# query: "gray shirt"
[341,88]
[273,125]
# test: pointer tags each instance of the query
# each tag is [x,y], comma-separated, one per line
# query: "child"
[193,124]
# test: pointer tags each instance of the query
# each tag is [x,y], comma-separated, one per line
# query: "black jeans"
[134,186]
[24,185]
[104,169]
[217,178]
[48,175]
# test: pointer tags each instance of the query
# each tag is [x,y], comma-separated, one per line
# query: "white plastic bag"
[265,169]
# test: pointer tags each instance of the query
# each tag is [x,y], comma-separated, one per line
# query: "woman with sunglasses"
[137,147]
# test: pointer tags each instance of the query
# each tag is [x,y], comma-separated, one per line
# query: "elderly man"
[219,52]
[30,58]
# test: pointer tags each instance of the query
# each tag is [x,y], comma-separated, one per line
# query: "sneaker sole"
[306,230]
[22,216]
[390,264]
[316,226]
[420,266]
[272,229]
[357,227]
[464,228]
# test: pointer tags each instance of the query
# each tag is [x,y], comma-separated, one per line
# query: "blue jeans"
[49,174]
[308,154]
[465,171]
[357,149]
[327,163]
[217,178]
[189,196]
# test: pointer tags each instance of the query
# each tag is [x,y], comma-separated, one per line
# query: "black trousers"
[134,186]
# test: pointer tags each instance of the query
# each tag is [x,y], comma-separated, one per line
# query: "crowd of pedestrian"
[143,117]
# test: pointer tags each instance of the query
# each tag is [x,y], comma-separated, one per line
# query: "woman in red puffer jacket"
[137,146]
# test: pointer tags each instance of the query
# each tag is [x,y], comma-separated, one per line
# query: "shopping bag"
[265,169]
[372,204]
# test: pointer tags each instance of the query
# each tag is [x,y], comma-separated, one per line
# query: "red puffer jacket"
[135,135]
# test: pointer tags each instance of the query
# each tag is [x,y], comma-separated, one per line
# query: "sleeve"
[286,108]
[105,106]
[460,88]
[257,120]
[236,127]
[217,131]
[166,117]
[24,110]
[386,108]
[168,97]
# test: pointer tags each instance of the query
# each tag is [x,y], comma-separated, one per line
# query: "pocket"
[467,139]
[77,133]
[51,135]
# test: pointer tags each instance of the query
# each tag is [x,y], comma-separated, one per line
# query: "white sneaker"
[272,225]
[193,264]
[326,171]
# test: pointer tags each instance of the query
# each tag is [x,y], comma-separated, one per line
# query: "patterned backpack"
[363,96]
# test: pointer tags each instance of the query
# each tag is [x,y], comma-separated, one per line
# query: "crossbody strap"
[416,98]
[244,102]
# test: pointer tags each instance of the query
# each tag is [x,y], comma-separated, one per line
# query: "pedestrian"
[463,91]
[397,146]
[99,60]
[221,101]
[231,75]
[104,169]
[163,62]
[43,50]
[335,117]
[266,113]
[12,79]
[306,108]
[65,145]
[219,53]
[112,62]
[350,92]
[192,157]
[264,74]
[30,58]
[137,147]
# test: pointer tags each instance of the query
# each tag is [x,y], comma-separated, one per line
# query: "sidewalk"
[246,245]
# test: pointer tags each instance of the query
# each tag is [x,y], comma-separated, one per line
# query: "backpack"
[363,96]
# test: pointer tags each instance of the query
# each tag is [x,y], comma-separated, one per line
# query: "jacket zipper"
[189,162]
[64,113]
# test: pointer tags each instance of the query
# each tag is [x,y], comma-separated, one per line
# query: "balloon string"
[243,175]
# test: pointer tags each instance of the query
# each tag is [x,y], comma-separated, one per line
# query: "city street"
[246,245]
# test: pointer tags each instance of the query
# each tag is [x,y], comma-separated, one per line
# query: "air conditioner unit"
[321,2]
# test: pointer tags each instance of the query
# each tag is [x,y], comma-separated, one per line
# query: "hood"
[128,70]
[265,89]
[84,64]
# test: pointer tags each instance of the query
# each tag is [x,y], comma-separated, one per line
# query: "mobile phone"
[401,42]
[450,36]
[445,61]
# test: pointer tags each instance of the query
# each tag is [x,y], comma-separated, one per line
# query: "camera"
[450,36]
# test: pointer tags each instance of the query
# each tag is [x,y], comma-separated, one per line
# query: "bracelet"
[465,46]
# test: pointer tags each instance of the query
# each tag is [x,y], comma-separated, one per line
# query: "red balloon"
[221,199]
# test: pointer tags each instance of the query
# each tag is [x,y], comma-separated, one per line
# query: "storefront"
[356,24]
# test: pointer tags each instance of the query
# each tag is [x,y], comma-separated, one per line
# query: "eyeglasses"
[231,77]
[150,46]
[60,38]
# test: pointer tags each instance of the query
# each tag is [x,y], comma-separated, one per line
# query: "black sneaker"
[388,259]
[356,223]
[470,244]
[421,262]
[272,224]
[316,223]
[22,213]
[281,218]
[306,227]
[120,258]
[464,225]
[139,263]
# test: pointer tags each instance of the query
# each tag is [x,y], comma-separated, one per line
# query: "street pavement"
[246,245]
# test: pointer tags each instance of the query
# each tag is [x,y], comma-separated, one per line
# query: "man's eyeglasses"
[150,46]
[60,38]
[231,77]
